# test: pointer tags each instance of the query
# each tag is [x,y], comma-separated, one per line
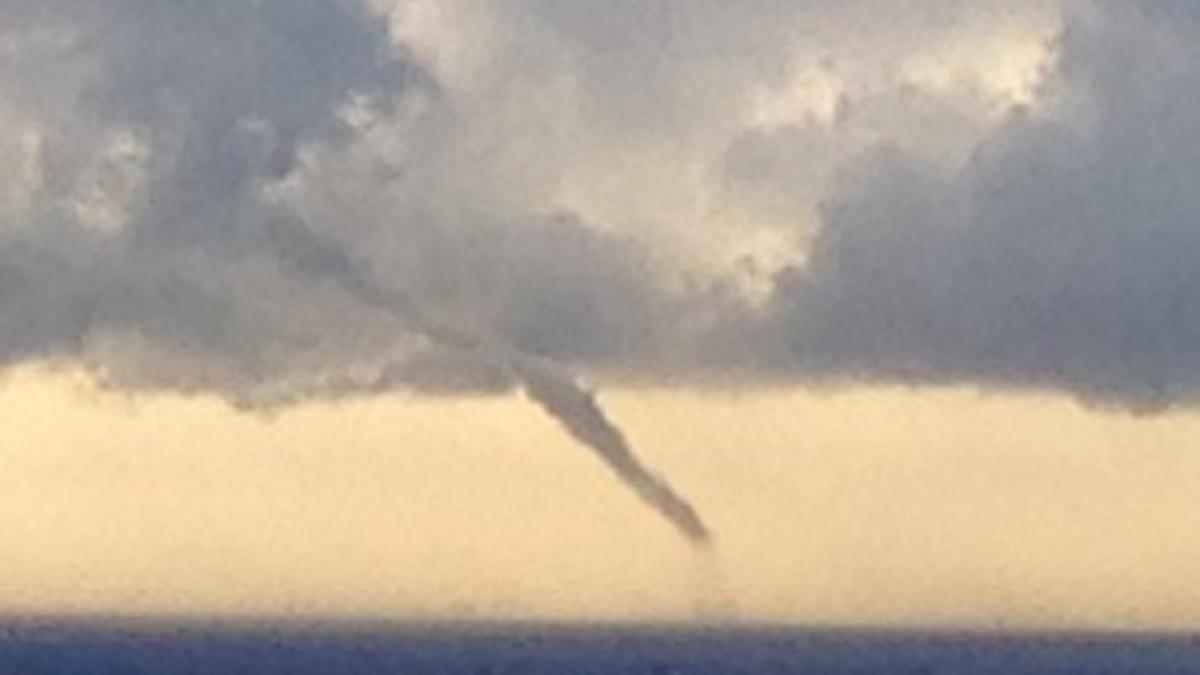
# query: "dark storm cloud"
[231,197]
[1061,257]
[157,126]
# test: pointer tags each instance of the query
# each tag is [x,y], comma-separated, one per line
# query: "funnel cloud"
[554,390]
[583,418]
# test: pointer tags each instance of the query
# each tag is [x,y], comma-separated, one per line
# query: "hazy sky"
[900,295]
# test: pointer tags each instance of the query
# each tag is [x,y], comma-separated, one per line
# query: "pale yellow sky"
[867,507]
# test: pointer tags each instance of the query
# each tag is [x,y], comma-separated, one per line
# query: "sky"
[369,308]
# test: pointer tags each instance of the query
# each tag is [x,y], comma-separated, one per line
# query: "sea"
[69,647]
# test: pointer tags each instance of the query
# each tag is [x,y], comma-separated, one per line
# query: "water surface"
[49,646]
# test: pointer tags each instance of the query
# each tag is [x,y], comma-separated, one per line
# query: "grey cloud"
[211,202]
[1062,256]
[214,98]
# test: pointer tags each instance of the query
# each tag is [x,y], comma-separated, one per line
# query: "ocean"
[55,647]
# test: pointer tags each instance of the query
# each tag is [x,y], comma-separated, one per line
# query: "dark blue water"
[46,647]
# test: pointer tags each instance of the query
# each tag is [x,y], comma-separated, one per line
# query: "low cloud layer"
[203,197]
